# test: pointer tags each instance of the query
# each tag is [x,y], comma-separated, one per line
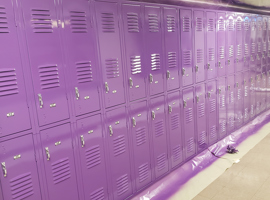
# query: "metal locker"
[258,93]
[253,42]
[79,36]
[268,87]
[230,42]
[110,52]
[159,135]
[239,35]
[141,143]
[198,17]
[186,46]
[119,153]
[201,130]
[222,107]
[14,113]
[238,103]
[221,43]
[172,44]
[264,41]
[268,42]
[263,91]
[252,95]
[259,43]
[230,104]
[59,162]
[133,35]
[175,128]
[246,96]
[19,177]
[90,137]
[44,48]
[246,41]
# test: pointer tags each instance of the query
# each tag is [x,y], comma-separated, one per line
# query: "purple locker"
[175,128]
[268,87]
[221,43]
[119,153]
[268,42]
[198,17]
[239,35]
[252,95]
[154,52]
[110,52]
[90,138]
[140,140]
[263,91]
[133,35]
[79,37]
[19,177]
[253,41]
[14,108]
[230,104]
[238,103]
[44,48]
[186,46]
[230,42]
[201,131]
[246,41]
[171,38]
[246,96]
[159,136]
[258,93]
[211,45]
[189,125]
[264,41]
[259,43]
[222,130]
[59,162]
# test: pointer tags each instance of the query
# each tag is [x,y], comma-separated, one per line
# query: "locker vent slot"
[21,186]
[199,24]
[119,145]
[222,126]
[122,185]
[231,97]
[84,72]
[239,50]
[171,24]
[8,82]
[108,22]
[175,121]
[212,105]
[211,54]
[49,77]
[239,94]
[213,132]
[92,156]
[155,61]
[259,47]
[246,113]
[133,23]
[222,101]
[199,55]
[3,21]
[78,22]
[172,59]
[246,49]
[239,24]
[186,24]
[230,51]
[153,23]
[98,194]
[210,25]
[140,136]
[230,24]
[112,68]
[264,46]
[190,145]
[136,65]
[221,52]
[159,128]
[41,21]
[202,138]
[143,172]
[201,110]
[246,25]
[246,91]
[161,162]
[231,121]
[189,115]
[61,170]
[253,47]
[177,153]
[187,58]
[221,24]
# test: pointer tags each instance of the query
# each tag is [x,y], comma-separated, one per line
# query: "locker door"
[238,104]
[133,35]
[110,52]
[172,43]
[246,95]
[221,41]
[259,25]
[239,34]
[258,93]
[264,41]
[189,125]
[175,128]
[14,109]
[141,142]
[159,136]
[268,42]
[44,48]
[90,138]
[59,162]
[253,42]
[230,104]
[246,47]
[119,153]
[263,92]
[154,55]
[199,45]
[252,94]
[79,37]
[186,46]
[222,107]
[19,177]
[201,131]
[268,87]
[230,42]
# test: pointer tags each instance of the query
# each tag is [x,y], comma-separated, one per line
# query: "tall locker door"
[258,93]
[259,25]
[133,35]
[239,34]
[222,115]
[117,134]
[14,108]
[198,17]
[263,92]
[59,162]
[246,88]
[230,104]
[246,43]
[189,124]
[268,87]
[79,37]
[268,42]
[221,43]
[211,45]
[172,45]
[154,52]
[175,128]
[264,41]
[159,136]
[186,46]
[253,42]
[110,52]
[19,177]
[230,42]
[44,48]
[201,130]
[91,147]
[141,141]
[238,104]
[252,94]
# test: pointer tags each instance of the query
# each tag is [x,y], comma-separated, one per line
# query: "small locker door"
[91,147]
[258,93]
[198,17]
[246,88]
[253,42]
[239,33]
[154,52]
[264,41]
[230,104]
[110,52]
[263,92]
[230,42]
[211,45]
[79,37]
[175,128]
[59,162]
[221,41]
[189,125]
[268,87]
[133,35]
[259,25]
[238,104]
[141,142]
[186,46]
[14,108]
[222,115]
[201,131]
[246,43]
[252,94]
[44,48]
[172,43]
[159,136]
[19,177]
[119,153]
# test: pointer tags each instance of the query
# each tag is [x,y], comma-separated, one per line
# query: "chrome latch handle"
[183,71]
[185,104]
[130,82]
[197,99]
[47,153]
[77,93]
[40,101]
[111,130]
[170,109]
[82,140]
[134,121]
[107,89]
[151,79]
[3,164]
[196,68]
[153,115]
[168,74]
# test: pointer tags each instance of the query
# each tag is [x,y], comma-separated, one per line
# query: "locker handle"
[185,104]
[168,74]
[107,89]
[219,64]
[183,71]
[209,94]
[196,68]
[258,57]
[170,109]
[197,99]
[153,115]
[111,130]
[3,164]
[219,91]
[208,66]
[82,140]
[130,82]
[77,93]
[47,153]
[40,101]
[229,61]
[133,121]
[151,79]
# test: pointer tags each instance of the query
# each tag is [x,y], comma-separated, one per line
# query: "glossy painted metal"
[222,107]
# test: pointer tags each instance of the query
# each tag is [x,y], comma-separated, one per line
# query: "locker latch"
[82,140]
[47,153]
[185,104]
[237,60]
[133,121]
[251,58]
[183,71]
[219,64]
[168,74]
[198,99]
[77,93]
[40,100]
[151,78]
[153,115]
[237,84]
[245,59]
[3,164]
[219,90]
[258,57]
[196,68]
[229,87]
[251,79]
[111,130]
[107,87]
[209,94]
[130,82]
[229,62]
[208,66]
[245,82]
[170,109]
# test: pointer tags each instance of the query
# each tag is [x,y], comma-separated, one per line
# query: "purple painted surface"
[268,87]
[253,42]
[259,42]
[258,95]
[239,35]
[221,43]
[252,94]
[230,103]
[264,40]
[246,96]
[238,103]
[246,41]
[230,42]
[222,105]
[263,91]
